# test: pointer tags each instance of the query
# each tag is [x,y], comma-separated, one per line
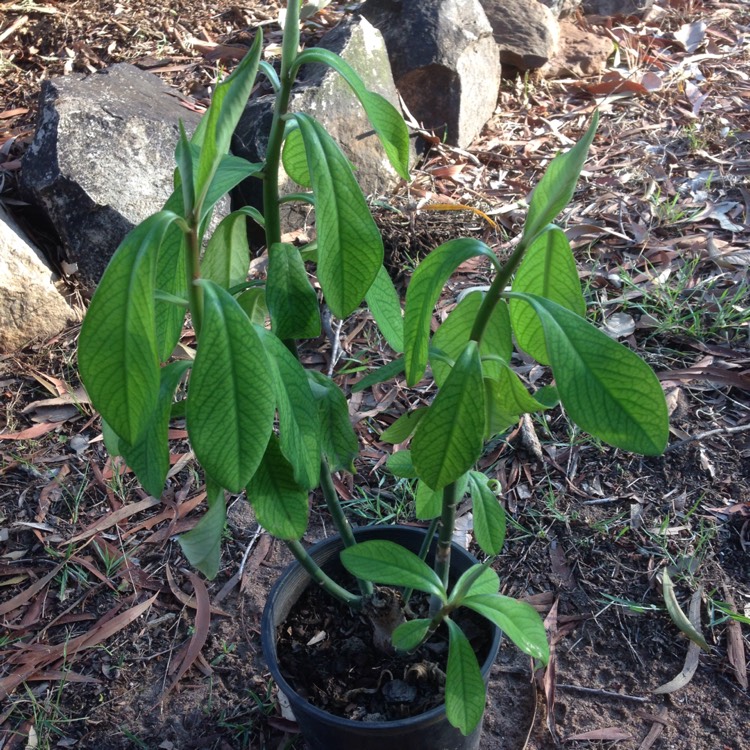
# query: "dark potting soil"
[325,652]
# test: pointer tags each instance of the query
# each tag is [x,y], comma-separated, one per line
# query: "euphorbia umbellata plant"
[260,422]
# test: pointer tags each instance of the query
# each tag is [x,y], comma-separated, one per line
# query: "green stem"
[493,295]
[445,539]
[423,550]
[193,270]
[321,578]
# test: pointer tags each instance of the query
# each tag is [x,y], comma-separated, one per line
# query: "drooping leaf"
[291,300]
[518,620]
[202,544]
[448,439]
[231,401]
[423,293]
[149,456]
[409,635]
[465,692]
[232,170]
[489,515]
[453,334]
[385,119]
[380,375]
[555,189]
[294,159]
[390,564]
[299,427]
[400,465]
[403,426]
[279,502]
[385,307]
[607,390]
[507,399]
[117,349]
[338,440]
[350,248]
[549,270]
[478,579]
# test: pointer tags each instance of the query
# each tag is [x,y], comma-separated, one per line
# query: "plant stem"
[193,270]
[423,550]
[445,539]
[320,577]
[339,519]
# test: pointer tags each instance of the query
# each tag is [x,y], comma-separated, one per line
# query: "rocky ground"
[89,569]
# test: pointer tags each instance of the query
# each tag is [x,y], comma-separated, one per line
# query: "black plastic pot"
[324,731]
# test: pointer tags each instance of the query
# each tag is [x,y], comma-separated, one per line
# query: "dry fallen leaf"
[611,734]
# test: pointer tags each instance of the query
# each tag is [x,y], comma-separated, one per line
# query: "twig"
[709,433]
[605,693]
[258,532]
[13,27]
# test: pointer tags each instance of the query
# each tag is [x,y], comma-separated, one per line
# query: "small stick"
[13,27]
[605,693]
[709,433]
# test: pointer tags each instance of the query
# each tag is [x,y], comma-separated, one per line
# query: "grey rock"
[616,7]
[102,159]
[324,94]
[525,31]
[31,307]
[444,62]
[562,8]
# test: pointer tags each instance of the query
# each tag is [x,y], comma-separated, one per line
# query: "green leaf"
[400,465]
[549,270]
[149,456]
[294,159]
[338,440]
[449,438]
[390,564]
[298,411]
[409,635]
[215,130]
[453,334]
[486,582]
[232,170]
[403,426]
[253,302]
[465,692]
[350,249]
[291,300]
[385,119]
[518,620]
[117,348]
[489,515]
[279,502]
[380,375]
[555,189]
[202,544]
[231,403]
[679,618]
[606,389]
[507,398]
[183,156]
[385,307]
[429,502]
[227,256]
[423,293]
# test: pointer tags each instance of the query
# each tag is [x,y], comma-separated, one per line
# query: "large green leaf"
[390,564]
[117,350]
[279,502]
[291,300]
[453,334]
[518,620]
[478,579]
[385,119]
[423,293]
[227,256]
[549,270]
[294,159]
[231,403]
[338,440]
[606,389]
[350,249]
[489,515]
[449,438]
[555,189]
[232,170]
[298,412]
[465,692]
[148,457]
[215,130]
[202,544]
[385,307]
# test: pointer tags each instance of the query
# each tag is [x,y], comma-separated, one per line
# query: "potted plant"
[260,422]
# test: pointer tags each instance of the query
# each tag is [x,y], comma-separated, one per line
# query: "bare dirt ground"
[97,610]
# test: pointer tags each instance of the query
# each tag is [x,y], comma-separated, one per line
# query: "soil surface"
[121,646]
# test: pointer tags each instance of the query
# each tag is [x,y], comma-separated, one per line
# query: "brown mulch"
[93,587]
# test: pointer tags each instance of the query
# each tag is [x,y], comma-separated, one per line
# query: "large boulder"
[323,93]
[31,307]
[526,32]
[102,159]
[444,62]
